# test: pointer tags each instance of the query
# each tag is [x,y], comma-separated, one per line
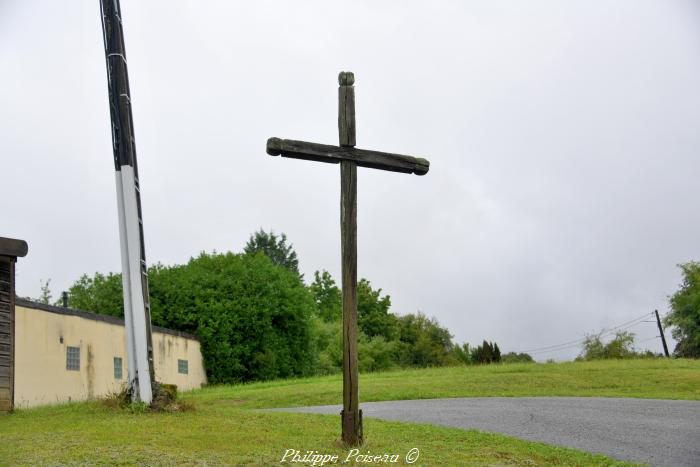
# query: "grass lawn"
[649,379]
[222,429]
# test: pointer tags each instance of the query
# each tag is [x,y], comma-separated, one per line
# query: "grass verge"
[648,379]
[223,430]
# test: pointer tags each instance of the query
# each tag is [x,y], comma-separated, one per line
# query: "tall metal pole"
[137,315]
[661,332]
[351,417]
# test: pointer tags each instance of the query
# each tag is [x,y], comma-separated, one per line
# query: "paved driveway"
[658,432]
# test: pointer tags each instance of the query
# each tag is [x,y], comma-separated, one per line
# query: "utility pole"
[661,332]
[137,314]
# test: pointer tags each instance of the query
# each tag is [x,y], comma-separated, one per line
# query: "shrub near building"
[253,318]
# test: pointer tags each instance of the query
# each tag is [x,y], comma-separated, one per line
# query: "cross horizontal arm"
[336,154]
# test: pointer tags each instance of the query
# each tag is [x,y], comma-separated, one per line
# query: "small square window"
[73,358]
[182,367]
[117,368]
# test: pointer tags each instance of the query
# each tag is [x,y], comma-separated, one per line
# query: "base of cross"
[351,428]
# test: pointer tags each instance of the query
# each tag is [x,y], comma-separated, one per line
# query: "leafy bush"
[512,357]
[463,354]
[251,316]
[377,354]
[619,347]
[385,340]
[424,342]
[329,345]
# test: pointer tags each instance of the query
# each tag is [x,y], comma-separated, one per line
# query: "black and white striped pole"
[137,316]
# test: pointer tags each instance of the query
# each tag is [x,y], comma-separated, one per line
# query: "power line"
[649,339]
[577,342]
[603,332]
[635,321]
[573,346]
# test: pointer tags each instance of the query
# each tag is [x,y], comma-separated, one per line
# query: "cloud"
[562,140]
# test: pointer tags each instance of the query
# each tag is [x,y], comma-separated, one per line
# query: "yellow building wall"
[41,341]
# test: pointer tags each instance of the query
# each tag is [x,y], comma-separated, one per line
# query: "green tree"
[487,352]
[253,318]
[327,296]
[621,346]
[275,248]
[593,348]
[424,342]
[685,313]
[373,317]
[377,354]
[463,353]
[329,345]
[99,294]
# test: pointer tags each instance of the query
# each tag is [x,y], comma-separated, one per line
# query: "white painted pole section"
[126,285]
[138,308]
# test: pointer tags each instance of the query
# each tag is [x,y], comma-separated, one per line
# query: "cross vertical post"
[350,158]
[351,416]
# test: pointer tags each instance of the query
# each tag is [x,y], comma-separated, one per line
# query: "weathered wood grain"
[351,421]
[336,154]
[349,159]
[350,416]
[346,112]
[7,321]
[346,78]
[13,247]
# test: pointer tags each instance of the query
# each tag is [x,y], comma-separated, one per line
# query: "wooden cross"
[349,158]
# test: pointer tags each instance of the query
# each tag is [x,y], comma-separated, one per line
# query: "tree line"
[257,320]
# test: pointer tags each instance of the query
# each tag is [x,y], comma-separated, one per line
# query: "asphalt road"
[657,432]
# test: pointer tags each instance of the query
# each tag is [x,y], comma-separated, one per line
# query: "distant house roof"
[94,316]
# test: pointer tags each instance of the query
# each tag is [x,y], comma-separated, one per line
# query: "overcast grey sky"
[563,140]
